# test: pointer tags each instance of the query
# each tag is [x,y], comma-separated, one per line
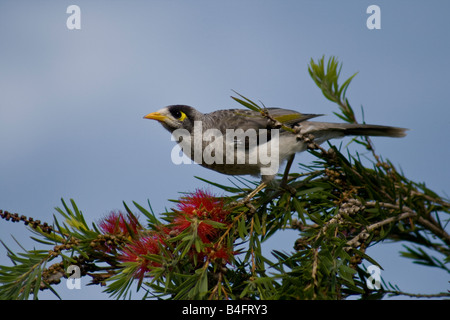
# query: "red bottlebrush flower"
[197,207]
[116,222]
[136,252]
[203,204]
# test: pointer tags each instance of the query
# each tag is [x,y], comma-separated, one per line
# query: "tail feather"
[326,130]
[373,130]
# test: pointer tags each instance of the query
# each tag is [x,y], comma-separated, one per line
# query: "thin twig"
[353,242]
[418,295]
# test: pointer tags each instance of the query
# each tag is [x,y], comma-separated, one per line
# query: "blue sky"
[72,101]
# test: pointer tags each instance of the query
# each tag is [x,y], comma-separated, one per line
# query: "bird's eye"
[180,115]
[177,114]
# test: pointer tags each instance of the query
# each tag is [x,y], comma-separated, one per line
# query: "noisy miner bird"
[240,136]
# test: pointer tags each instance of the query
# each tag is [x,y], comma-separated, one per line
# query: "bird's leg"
[286,170]
[284,184]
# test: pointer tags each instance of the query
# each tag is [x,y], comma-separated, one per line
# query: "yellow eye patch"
[183,116]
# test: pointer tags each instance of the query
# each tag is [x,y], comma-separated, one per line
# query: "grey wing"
[248,119]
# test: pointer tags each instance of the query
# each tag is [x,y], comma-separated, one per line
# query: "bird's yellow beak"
[155,116]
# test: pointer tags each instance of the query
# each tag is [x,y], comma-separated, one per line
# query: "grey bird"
[186,123]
